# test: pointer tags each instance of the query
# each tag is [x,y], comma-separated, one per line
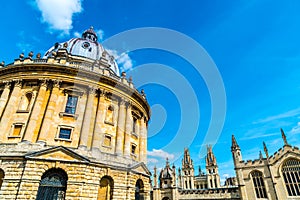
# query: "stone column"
[87,129]
[121,127]
[143,140]
[98,133]
[10,109]
[36,117]
[49,112]
[4,96]
[128,131]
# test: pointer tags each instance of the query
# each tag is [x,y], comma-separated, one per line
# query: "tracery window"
[53,185]
[259,185]
[291,176]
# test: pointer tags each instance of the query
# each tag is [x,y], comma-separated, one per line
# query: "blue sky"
[255,45]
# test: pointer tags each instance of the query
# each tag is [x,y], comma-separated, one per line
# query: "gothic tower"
[236,151]
[213,178]
[187,171]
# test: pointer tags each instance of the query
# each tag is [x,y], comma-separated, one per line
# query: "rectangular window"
[71,104]
[133,148]
[65,133]
[134,125]
[17,130]
[107,141]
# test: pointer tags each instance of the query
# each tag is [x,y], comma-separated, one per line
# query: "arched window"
[109,117]
[1,177]
[139,189]
[259,185]
[105,190]
[25,101]
[166,198]
[291,176]
[53,185]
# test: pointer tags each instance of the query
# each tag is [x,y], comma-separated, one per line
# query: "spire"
[155,177]
[234,144]
[210,157]
[200,171]
[284,137]
[167,162]
[266,150]
[187,162]
[260,155]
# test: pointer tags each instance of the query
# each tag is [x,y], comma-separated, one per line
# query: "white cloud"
[287,114]
[100,34]
[296,129]
[161,154]
[77,34]
[152,160]
[58,14]
[124,61]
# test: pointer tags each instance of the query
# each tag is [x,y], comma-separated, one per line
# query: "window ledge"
[22,111]
[108,147]
[64,114]
[110,123]
[134,134]
[14,136]
[63,139]
[133,155]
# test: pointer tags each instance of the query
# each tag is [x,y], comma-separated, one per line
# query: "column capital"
[102,93]
[43,82]
[56,83]
[18,82]
[7,84]
[128,104]
[122,101]
[92,90]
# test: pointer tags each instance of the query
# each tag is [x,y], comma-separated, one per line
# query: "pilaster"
[4,96]
[49,112]
[89,115]
[98,132]
[37,112]
[128,130]
[11,108]
[121,127]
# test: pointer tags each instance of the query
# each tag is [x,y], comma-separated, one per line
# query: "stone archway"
[53,185]
[105,190]
[1,177]
[139,190]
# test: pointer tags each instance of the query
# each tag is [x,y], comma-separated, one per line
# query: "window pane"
[17,130]
[71,104]
[65,133]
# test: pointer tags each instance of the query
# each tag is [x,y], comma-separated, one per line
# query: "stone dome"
[167,172]
[87,47]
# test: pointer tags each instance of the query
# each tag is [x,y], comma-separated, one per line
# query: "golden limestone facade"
[71,127]
[274,177]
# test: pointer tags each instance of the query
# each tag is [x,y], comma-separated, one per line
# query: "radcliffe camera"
[149,100]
